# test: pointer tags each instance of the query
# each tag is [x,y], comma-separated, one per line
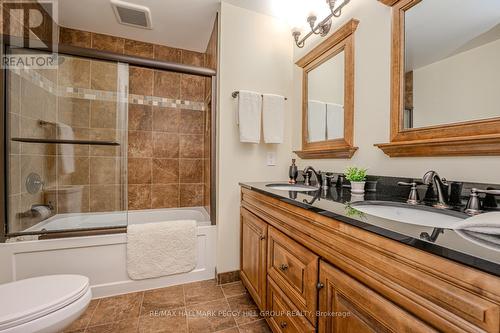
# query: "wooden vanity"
[341,278]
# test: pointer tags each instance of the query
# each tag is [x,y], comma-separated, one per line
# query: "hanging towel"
[161,248]
[334,121]
[316,121]
[273,117]
[249,116]
[66,150]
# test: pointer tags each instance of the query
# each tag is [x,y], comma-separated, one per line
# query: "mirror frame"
[469,138]
[340,40]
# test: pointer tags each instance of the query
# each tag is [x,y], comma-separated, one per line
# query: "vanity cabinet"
[384,285]
[349,306]
[253,256]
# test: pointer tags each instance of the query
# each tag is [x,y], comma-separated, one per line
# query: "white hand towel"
[66,150]
[161,248]
[487,223]
[273,117]
[249,116]
[316,121]
[334,121]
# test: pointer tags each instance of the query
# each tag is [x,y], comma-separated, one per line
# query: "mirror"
[328,97]
[452,62]
[445,78]
[325,100]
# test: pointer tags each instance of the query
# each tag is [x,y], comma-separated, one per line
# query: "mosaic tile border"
[103,95]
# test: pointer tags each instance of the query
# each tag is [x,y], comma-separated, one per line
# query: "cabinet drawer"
[284,316]
[295,269]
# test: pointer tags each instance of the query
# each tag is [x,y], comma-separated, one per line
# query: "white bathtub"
[103,258]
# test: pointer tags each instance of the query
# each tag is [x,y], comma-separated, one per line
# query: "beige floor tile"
[201,292]
[117,308]
[244,309]
[233,289]
[167,321]
[210,317]
[259,326]
[163,299]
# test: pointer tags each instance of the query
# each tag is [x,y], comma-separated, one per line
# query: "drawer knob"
[262,237]
[283,324]
[283,267]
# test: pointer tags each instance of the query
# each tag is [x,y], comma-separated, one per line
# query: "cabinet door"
[253,256]
[346,305]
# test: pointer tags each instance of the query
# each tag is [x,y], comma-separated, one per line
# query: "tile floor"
[195,307]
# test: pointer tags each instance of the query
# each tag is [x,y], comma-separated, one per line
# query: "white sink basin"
[292,187]
[410,215]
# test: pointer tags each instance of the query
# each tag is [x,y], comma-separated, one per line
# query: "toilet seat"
[30,299]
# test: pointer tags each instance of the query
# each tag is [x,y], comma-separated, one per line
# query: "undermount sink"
[411,215]
[292,187]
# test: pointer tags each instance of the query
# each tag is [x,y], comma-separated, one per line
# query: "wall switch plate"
[271,158]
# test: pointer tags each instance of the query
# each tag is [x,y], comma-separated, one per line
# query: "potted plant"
[357,177]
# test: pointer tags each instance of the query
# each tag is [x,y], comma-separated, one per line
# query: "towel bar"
[236,93]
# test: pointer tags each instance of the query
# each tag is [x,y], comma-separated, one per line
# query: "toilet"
[44,304]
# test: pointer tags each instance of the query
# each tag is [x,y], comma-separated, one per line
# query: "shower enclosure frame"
[105,56]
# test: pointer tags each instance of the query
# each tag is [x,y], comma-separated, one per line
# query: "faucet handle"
[413,198]
[491,192]
[473,206]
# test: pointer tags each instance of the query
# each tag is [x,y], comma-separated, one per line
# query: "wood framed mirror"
[328,97]
[445,77]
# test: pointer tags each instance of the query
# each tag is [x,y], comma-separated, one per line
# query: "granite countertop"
[446,243]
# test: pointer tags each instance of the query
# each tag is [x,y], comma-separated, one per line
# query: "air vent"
[131,14]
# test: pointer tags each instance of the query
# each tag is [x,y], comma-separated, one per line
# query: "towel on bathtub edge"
[161,249]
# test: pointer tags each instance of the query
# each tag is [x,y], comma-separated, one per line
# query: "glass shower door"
[66,146]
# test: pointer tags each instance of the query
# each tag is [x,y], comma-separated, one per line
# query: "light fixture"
[323,27]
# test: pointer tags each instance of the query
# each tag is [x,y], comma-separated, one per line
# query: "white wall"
[372,106]
[459,88]
[255,54]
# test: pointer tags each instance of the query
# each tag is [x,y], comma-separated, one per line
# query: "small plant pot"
[358,187]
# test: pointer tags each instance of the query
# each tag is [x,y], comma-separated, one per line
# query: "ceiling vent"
[131,14]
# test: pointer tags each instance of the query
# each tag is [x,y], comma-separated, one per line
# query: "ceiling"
[185,24]
[438,29]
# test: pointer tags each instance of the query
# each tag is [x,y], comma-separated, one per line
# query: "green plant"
[355,174]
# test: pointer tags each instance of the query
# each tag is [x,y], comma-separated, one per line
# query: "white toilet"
[44,304]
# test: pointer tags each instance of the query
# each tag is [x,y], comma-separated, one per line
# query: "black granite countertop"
[337,203]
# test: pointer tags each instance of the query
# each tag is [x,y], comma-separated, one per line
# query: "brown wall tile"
[166,119]
[141,81]
[166,53]
[165,145]
[191,122]
[103,114]
[73,112]
[191,170]
[140,144]
[167,84]
[191,195]
[104,170]
[81,174]
[139,197]
[165,171]
[105,198]
[103,75]
[74,72]
[193,58]
[66,202]
[190,146]
[139,170]
[192,88]
[165,196]
[75,37]
[104,135]
[107,43]
[139,49]
[140,117]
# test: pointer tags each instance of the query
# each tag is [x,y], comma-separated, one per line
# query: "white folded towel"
[66,150]
[273,117]
[334,121]
[161,248]
[249,116]
[316,121]
[487,223]
[489,241]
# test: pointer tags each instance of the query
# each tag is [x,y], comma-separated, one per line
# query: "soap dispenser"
[293,172]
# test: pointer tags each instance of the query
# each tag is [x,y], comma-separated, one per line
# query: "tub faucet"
[316,174]
[440,186]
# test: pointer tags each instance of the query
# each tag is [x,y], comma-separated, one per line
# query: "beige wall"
[255,54]
[372,106]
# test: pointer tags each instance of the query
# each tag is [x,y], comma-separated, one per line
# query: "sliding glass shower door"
[66,145]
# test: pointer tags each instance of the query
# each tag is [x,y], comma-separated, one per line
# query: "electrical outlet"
[271,158]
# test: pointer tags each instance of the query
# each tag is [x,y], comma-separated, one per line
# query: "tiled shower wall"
[166,155]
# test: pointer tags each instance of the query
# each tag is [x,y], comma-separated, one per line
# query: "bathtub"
[103,258]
